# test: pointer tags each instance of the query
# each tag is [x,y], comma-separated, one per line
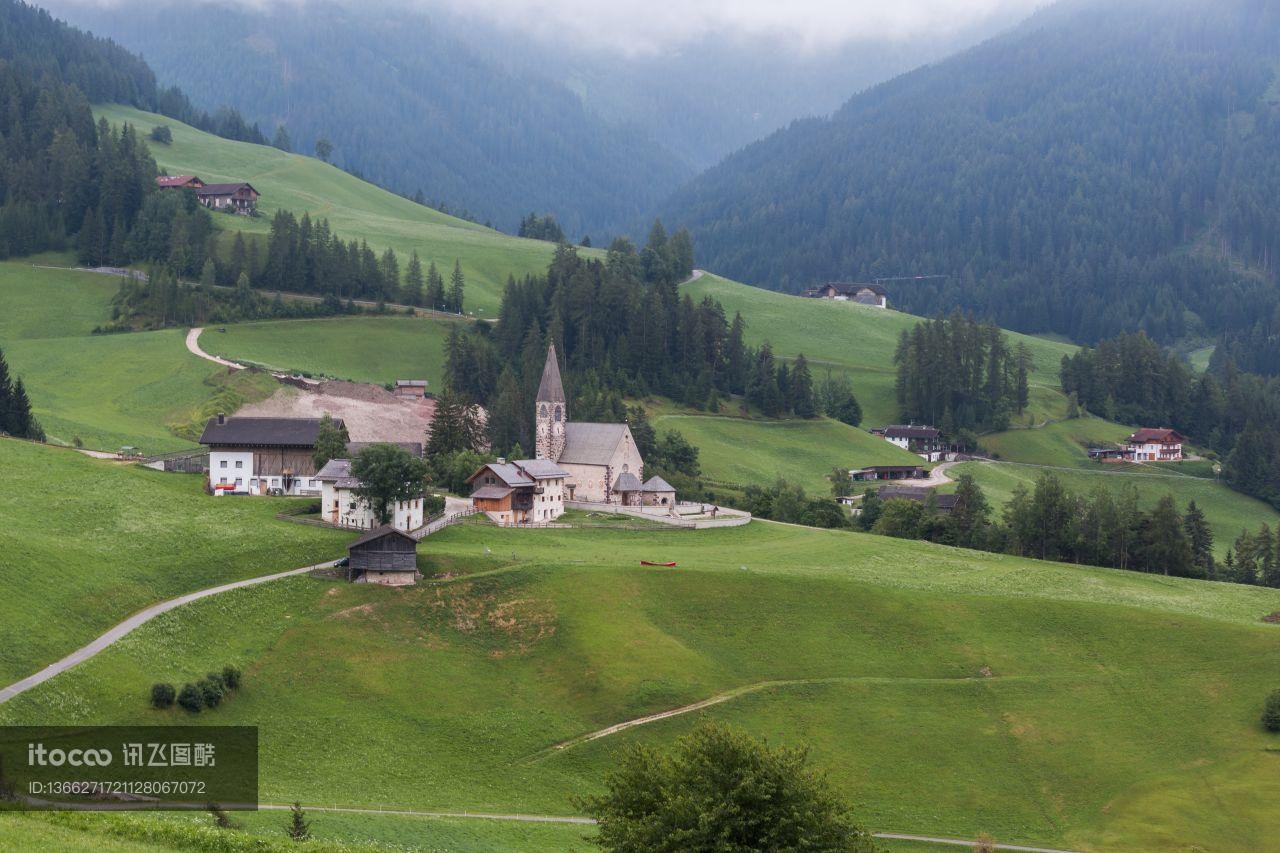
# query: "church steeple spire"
[552,410]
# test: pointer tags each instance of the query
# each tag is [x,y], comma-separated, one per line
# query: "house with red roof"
[1155,445]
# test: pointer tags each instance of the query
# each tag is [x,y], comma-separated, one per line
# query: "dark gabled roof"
[338,472]
[225,189]
[591,444]
[910,431]
[263,432]
[627,482]
[551,389]
[657,484]
[847,288]
[378,533]
[1149,434]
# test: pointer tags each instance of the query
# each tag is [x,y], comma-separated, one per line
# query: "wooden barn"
[383,556]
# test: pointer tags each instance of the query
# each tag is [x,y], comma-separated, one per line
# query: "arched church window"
[542,411]
[559,414]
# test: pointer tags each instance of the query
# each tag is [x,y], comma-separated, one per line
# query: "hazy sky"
[647,26]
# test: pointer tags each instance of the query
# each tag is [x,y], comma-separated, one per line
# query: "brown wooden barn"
[383,556]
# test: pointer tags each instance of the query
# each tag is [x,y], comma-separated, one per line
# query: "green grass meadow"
[1117,708]
[355,209]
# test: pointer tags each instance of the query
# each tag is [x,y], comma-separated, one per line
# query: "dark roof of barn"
[263,432]
[910,431]
[380,533]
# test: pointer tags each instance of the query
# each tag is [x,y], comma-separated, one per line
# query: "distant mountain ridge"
[1098,169]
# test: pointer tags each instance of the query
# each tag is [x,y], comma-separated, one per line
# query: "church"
[601,460]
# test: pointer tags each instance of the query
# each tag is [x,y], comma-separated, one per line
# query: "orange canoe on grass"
[663,565]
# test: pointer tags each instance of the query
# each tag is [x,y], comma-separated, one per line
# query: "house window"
[239,482]
[222,464]
[222,479]
[239,463]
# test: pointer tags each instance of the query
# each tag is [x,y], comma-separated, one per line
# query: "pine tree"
[801,389]
[506,415]
[331,441]
[1167,549]
[435,289]
[413,281]
[456,287]
[299,826]
[1200,537]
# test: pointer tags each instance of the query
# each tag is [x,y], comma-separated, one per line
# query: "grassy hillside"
[1065,443]
[109,390]
[363,349]
[1227,511]
[355,209]
[757,451]
[87,542]
[859,340]
[1105,686]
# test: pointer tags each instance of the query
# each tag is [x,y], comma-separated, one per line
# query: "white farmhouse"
[259,456]
[341,505]
[1155,445]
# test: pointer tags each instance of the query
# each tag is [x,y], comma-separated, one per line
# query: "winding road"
[193,346]
[134,622]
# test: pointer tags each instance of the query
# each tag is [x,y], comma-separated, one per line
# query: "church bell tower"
[552,410]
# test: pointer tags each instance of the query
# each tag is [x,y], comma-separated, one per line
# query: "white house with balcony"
[340,503]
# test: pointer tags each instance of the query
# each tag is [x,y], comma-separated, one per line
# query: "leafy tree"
[387,473]
[841,482]
[190,698]
[718,789]
[212,690]
[449,471]
[900,518]
[231,676]
[161,134]
[299,826]
[331,441]
[162,696]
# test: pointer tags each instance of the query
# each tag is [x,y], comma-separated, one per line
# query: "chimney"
[222,417]
[502,460]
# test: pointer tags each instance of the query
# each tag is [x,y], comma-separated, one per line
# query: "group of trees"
[16,418]
[537,227]
[208,692]
[787,502]
[1254,558]
[961,375]
[1050,522]
[1132,379]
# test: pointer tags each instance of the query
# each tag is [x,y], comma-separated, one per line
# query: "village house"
[383,556]
[944,504]
[260,456]
[170,182]
[239,198]
[924,441]
[1155,445]
[519,492]
[601,461]
[863,294]
[340,503]
[410,388]
[887,472]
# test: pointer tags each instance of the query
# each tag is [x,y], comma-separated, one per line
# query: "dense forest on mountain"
[409,106]
[1102,168]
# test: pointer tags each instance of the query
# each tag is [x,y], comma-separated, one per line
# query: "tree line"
[960,375]
[16,418]
[1051,522]
[1132,379]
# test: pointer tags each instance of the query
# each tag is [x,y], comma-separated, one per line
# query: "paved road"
[586,821]
[132,623]
[193,345]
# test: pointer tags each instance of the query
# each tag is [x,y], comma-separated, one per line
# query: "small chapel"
[602,461]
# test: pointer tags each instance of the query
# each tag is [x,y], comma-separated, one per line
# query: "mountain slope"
[405,101]
[1058,176]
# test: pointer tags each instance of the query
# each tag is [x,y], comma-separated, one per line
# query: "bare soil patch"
[371,412]
[1272,617]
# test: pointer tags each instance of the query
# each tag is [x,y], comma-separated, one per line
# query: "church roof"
[552,389]
[657,484]
[591,444]
[627,482]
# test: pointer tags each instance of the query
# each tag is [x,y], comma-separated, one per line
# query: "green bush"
[190,698]
[231,676]
[1271,712]
[211,690]
[162,695]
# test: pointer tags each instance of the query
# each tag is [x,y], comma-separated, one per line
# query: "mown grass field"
[1064,443]
[355,209]
[363,349]
[1227,511]
[85,543]
[859,340]
[758,451]
[107,390]
[1121,711]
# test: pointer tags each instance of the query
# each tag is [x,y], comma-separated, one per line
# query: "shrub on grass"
[231,676]
[211,690]
[162,696]
[1271,712]
[190,698]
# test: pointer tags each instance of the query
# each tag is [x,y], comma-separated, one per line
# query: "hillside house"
[519,492]
[260,456]
[383,556]
[416,388]
[239,198]
[943,503]
[863,294]
[1155,445]
[178,182]
[340,503]
[595,457]
[887,472]
[925,441]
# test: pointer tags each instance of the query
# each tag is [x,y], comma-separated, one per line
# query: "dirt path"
[193,346]
[134,622]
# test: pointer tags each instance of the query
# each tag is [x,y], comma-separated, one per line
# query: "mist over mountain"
[1098,169]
